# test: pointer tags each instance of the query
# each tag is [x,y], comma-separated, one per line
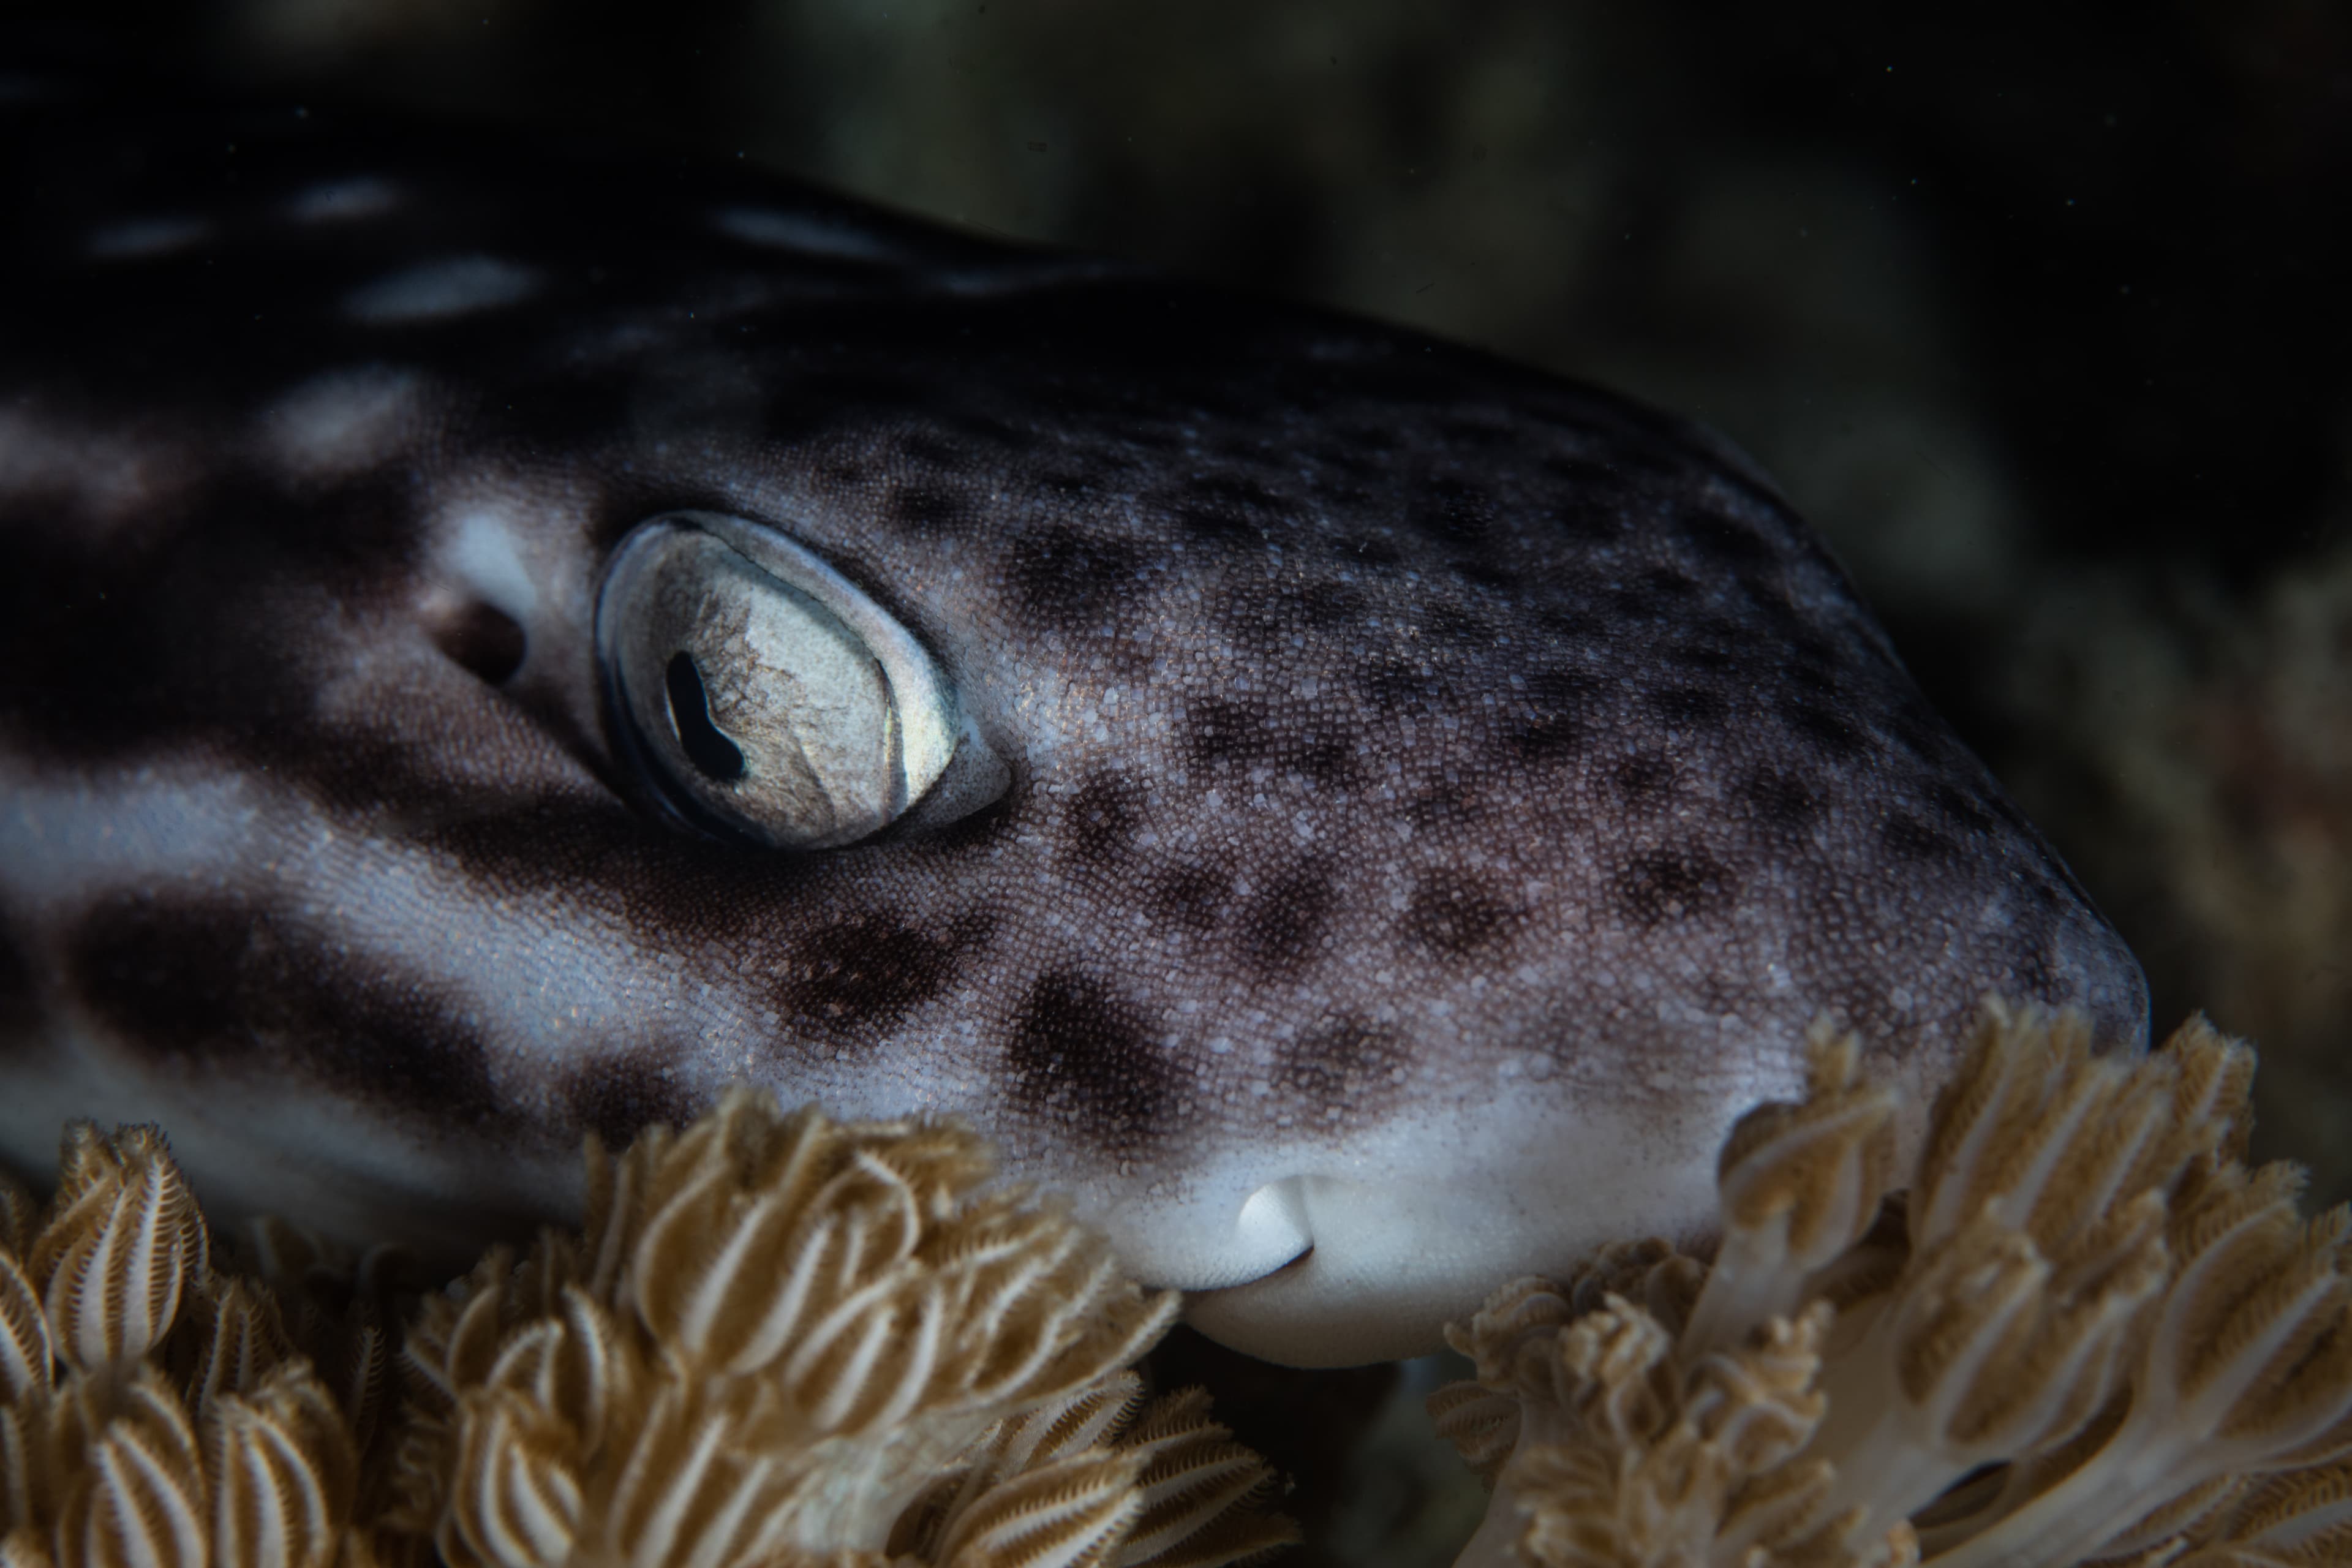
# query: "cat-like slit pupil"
[714,757]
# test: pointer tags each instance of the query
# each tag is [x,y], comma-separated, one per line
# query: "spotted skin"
[1442,794]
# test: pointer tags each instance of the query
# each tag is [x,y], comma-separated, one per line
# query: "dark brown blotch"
[865,972]
[1670,884]
[1959,809]
[618,1096]
[216,986]
[1080,1050]
[1223,732]
[1458,915]
[1101,818]
[1640,780]
[1907,838]
[1191,898]
[1341,1071]
[1230,509]
[1459,625]
[1326,759]
[1551,727]
[1831,731]
[1780,802]
[1282,925]
[1688,707]
[1069,581]
[932,510]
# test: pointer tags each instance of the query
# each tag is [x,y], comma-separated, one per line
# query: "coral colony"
[2080,1329]
[2077,1329]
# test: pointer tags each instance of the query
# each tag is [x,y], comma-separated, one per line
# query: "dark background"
[2041,311]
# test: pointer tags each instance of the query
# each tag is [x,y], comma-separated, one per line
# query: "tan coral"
[2086,1332]
[152,1411]
[779,1340]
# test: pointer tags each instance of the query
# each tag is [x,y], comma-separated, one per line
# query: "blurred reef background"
[2042,312]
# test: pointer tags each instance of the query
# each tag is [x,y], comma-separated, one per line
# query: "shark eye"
[761,694]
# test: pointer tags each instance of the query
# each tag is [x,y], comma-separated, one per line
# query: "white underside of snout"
[1365,1256]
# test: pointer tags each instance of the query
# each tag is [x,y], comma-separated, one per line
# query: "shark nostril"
[1272,1230]
[718,759]
[478,636]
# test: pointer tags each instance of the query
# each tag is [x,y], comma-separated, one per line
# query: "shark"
[500,643]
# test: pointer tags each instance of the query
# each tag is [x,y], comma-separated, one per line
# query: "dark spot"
[1908,837]
[1390,686]
[1453,624]
[217,986]
[1100,820]
[1325,605]
[714,757]
[1806,678]
[1069,581]
[1452,510]
[865,973]
[2034,970]
[1227,731]
[1663,885]
[1780,802]
[1341,1070]
[1326,759]
[1080,1050]
[1640,779]
[1727,540]
[1229,509]
[1827,730]
[1437,805]
[1487,573]
[1457,914]
[1688,706]
[1550,727]
[1283,924]
[932,509]
[478,637]
[619,1097]
[1957,807]
[1191,898]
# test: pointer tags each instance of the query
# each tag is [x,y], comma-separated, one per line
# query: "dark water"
[2041,312]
